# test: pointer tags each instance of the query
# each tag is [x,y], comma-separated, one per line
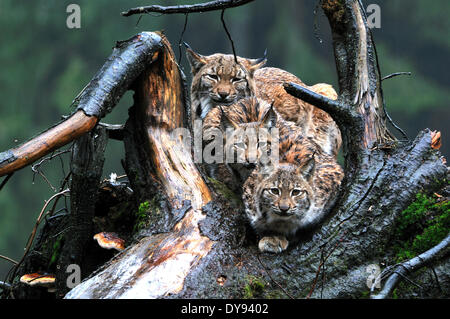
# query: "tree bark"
[157,265]
[86,168]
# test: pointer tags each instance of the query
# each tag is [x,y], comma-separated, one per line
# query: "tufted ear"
[308,168]
[195,60]
[255,64]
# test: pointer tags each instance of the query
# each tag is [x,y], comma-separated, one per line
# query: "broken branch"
[394,75]
[336,109]
[8,259]
[126,63]
[200,7]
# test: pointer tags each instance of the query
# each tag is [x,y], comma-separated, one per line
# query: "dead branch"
[202,7]
[5,286]
[86,167]
[338,111]
[115,131]
[126,63]
[228,35]
[402,270]
[36,168]
[162,261]
[7,178]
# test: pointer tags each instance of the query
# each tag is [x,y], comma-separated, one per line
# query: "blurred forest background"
[44,65]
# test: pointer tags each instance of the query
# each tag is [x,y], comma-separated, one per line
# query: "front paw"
[275,244]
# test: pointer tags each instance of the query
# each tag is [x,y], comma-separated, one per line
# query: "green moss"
[254,287]
[56,251]
[395,294]
[145,212]
[422,225]
[227,193]
[365,294]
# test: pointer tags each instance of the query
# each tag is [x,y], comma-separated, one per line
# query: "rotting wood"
[158,264]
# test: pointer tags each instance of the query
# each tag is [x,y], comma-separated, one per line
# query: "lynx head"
[285,194]
[218,80]
[249,130]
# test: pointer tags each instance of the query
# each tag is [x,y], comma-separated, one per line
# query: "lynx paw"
[275,244]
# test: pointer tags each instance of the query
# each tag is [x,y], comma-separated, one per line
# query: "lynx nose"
[284,207]
[223,95]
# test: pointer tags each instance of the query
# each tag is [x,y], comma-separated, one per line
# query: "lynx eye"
[275,191]
[212,77]
[296,192]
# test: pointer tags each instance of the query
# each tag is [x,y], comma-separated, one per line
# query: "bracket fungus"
[39,279]
[110,241]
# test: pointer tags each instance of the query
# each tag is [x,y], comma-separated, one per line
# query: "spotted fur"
[218,80]
[306,178]
[284,199]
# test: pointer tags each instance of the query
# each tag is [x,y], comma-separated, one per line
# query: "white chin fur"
[206,105]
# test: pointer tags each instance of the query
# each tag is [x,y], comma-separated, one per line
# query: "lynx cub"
[246,129]
[218,80]
[280,200]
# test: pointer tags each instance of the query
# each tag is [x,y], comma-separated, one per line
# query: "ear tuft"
[197,61]
[255,64]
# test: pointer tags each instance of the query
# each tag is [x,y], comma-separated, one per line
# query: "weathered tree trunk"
[86,170]
[157,264]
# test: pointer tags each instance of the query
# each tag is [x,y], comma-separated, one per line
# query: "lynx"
[218,80]
[283,199]
[285,195]
[247,131]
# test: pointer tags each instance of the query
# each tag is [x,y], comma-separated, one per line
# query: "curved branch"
[5,285]
[200,7]
[438,251]
[395,74]
[337,110]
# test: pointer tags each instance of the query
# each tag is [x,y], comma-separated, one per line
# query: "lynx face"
[218,80]
[294,195]
[250,141]
[283,198]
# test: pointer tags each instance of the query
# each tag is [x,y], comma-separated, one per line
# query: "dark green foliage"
[421,226]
